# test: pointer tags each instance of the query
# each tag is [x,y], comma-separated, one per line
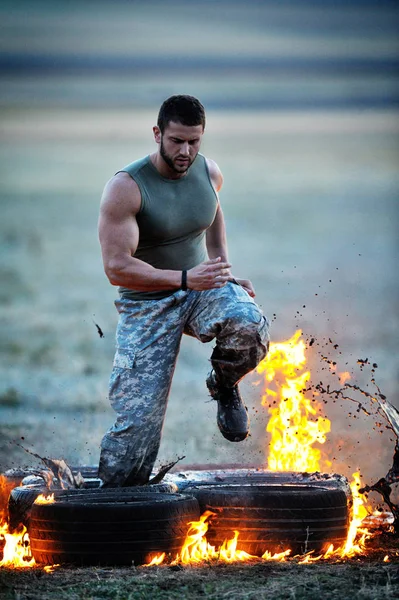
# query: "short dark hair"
[183,109]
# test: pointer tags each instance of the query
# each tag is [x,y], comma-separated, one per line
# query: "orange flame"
[196,548]
[157,560]
[294,425]
[50,568]
[42,499]
[294,430]
[350,548]
[279,556]
[359,512]
[16,552]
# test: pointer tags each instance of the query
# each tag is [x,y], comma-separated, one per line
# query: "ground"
[359,579]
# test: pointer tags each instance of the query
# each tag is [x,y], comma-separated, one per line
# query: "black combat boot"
[232,416]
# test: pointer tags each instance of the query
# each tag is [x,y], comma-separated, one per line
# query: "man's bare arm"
[119,238]
[216,240]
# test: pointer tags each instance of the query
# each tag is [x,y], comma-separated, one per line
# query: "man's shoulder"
[122,191]
[215,173]
[124,185]
[135,167]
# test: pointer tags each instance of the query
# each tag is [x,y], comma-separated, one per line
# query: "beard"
[170,162]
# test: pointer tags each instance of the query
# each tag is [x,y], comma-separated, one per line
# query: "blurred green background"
[302,106]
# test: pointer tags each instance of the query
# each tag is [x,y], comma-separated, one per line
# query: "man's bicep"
[118,229]
[118,236]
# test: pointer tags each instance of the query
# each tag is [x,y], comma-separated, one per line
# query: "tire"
[20,504]
[275,517]
[21,498]
[111,528]
[216,477]
[7,484]
[8,481]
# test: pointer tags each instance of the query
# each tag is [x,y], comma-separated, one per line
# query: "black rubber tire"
[7,484]
[223,476]
[275,517]
[22,498]
[20,504]
[110,529]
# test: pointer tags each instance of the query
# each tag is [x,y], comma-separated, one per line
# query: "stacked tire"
[111,528]
[275,518]
[22,498]
[93,526]
[272,511]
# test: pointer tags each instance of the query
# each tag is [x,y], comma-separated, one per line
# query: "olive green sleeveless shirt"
[172,220]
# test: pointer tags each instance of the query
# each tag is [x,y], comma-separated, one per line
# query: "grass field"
[365,580]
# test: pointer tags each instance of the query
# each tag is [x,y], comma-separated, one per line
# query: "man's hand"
[210,274]
[246,284]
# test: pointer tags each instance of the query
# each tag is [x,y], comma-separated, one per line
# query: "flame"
[279,556]
[294,430]
[353,545]
[16,552]
[42,499]
[359,512]
[229,553]
[14,547]
[157,560]
[196,549]
[50,568]
[294,425]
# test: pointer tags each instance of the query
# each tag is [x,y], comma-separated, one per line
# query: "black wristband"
[184,281]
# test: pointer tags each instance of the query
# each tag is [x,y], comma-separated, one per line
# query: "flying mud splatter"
[373,405]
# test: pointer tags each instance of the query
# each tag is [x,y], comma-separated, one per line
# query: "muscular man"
[163,242]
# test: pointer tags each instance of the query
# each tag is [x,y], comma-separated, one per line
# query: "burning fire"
[197,549]
[42,499]
[16,551]
[295,426]
[359,512]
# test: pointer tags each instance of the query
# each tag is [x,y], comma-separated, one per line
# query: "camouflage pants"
[147,344]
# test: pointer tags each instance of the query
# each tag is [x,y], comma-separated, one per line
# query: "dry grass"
[364,579]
